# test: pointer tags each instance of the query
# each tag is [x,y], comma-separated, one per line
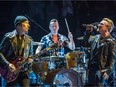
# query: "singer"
[100,64]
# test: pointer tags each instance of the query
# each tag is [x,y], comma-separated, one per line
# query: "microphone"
[87,25]
[93,25]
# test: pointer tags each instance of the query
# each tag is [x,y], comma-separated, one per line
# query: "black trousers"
[21,80]
[94,76]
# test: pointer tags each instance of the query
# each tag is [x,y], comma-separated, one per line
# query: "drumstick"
[67,25]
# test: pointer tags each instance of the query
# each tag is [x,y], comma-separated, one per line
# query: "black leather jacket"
[102,52]
[8,48]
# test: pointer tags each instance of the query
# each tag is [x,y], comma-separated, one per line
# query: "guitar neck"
[44,51]
[40,53]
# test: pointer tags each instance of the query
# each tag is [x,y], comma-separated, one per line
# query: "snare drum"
[55,62]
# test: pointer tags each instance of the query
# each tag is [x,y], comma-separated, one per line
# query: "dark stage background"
[41,12]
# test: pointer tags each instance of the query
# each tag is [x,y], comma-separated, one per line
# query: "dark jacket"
[102,52]
[8,48]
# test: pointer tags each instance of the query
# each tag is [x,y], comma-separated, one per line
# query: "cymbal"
[80,38]
[48,58]
[77,48]
[38,43]
[85,48]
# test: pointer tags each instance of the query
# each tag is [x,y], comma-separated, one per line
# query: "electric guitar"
[19,64]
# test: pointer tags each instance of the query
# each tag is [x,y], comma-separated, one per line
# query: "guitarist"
[16,46]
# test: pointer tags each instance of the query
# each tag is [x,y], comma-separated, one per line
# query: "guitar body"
[11,76]
[19,64]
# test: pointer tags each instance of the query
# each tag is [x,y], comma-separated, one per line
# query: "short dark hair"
[53,20]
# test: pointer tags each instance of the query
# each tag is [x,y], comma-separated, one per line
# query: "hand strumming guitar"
[12,67]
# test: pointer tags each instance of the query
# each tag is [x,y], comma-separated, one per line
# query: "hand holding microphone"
[92,26]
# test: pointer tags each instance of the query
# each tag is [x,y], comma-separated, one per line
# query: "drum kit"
[67,70]
[61,70]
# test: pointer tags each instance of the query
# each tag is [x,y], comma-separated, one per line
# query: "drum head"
[67,77]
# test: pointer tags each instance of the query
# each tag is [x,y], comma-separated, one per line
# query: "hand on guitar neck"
[12,68]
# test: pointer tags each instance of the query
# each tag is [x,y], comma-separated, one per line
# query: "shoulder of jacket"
[111,40]
[10,34]
[95,37]
[46,36]
[29,37]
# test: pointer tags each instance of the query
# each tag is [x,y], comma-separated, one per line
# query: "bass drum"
[64,78]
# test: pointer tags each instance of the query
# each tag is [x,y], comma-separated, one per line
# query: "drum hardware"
[81,64]
[46,64]
[75,58]
[54,62]
[51,64]
[35,79]
[40,68]
[81,61]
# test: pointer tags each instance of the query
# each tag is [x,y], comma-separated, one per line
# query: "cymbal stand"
[51,64]
[39,81]
[81,68]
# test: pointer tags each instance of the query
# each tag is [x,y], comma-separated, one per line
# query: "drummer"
[55,37]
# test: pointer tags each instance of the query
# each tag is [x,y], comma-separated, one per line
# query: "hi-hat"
[37,43]
[48,58]
[85,48]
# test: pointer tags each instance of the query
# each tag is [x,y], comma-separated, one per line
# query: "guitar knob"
[19,58]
